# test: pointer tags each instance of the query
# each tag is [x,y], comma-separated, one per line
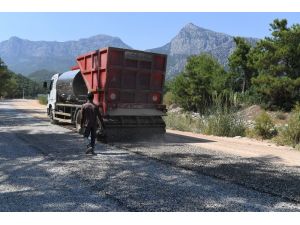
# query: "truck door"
[52,91]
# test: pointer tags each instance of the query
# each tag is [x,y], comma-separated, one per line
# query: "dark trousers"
[90,131]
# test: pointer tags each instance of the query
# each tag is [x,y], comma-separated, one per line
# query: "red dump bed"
[122,78]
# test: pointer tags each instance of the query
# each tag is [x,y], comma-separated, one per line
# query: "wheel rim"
[51,114]
[78,121]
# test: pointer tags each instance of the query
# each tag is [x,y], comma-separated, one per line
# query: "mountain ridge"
[25,56]
[194,40]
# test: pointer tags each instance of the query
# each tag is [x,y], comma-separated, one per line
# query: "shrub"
[263,127]
[177,122]
[290,134]
[219,123]
[224,124]
[42,99]
[168,98]
[280,115]
[183,122]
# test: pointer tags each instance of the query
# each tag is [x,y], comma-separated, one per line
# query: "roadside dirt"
[245,147]
[31,106]
[239,146]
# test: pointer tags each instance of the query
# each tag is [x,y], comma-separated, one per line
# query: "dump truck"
[127,86]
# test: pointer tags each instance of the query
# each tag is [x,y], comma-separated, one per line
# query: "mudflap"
[101,136]
[131,129]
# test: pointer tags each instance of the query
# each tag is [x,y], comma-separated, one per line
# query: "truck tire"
[78,122]
[52,120]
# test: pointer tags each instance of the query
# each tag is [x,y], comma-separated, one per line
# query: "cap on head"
[90,96]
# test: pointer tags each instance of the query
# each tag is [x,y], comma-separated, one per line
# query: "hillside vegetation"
[15,85]
[267,74]
[41,75]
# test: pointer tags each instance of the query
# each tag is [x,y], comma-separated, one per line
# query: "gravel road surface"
[43,168]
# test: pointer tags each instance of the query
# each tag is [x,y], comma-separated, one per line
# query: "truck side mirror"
[45,84]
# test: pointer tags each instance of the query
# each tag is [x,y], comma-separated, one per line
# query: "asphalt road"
[43,168]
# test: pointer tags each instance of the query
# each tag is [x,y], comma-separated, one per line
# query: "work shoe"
[89,150]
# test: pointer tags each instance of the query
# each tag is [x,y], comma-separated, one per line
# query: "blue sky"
[139,30]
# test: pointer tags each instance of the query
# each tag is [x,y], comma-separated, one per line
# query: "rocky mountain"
[193,40]
[24,56]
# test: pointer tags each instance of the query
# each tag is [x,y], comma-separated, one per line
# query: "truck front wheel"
[78,121]
[51,115]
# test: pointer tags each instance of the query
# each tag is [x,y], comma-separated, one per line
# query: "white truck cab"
[52,96]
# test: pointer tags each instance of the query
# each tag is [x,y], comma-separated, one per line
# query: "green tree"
[31,88]
[179,88]
[279,54]
[277,92]
[12,85]
[239,68]
[194,87]
[7,81]
[277,64]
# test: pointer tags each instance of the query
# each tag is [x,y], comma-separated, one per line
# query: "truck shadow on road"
[258,173]
[177,138]
[165,140]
